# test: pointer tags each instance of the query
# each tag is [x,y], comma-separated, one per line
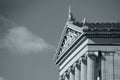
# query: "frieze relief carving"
[69,38]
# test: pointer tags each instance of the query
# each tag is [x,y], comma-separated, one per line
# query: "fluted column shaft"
[61,78]
[103,69]
[77,71]
[91,67]
[66,77]
[72,74]
[83,69]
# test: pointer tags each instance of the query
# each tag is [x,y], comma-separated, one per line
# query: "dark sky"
[30,31]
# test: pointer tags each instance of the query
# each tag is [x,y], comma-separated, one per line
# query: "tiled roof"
[99,25]
[103,25]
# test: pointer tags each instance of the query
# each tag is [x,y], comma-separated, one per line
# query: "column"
[61,77]
[71,73]
[83,69]
[77,71]
[66,77]
[103,71]
[91,67]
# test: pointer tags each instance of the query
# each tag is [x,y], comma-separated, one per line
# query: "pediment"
[68,38]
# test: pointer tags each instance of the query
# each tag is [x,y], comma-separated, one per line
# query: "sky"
[30,31]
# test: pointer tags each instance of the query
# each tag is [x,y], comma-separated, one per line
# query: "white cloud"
[1,78]
[20,40]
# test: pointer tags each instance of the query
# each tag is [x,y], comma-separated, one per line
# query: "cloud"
[1,78]
[20,40]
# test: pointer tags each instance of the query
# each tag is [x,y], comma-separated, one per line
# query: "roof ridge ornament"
[84,20]
[70,15]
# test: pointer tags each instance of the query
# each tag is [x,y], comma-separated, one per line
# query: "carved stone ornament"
[69,38]
[92,53]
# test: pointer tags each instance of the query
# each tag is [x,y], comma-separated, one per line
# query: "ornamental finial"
[70,15]
[84,20]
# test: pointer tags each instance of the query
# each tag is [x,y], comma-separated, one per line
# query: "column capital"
[79,60]
[83,58]
[95,53]
[65,74]
[71,68]
[76,63]
[62,77]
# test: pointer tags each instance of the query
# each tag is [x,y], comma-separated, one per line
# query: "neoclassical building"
[89,51]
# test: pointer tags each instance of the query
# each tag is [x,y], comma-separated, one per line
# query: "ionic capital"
[84,58]
[62,77]
[65,74]
[76,64]
[89,53]
[71,68]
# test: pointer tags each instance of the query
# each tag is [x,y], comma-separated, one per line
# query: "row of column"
[83,69]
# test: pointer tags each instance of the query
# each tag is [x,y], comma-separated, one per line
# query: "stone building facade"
[89,51]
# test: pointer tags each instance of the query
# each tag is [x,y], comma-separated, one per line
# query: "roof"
[99,25]
[103,25]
